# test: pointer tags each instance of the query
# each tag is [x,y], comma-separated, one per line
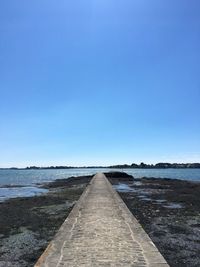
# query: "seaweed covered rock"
[118,177]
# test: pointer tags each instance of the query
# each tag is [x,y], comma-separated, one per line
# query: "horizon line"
[133,165]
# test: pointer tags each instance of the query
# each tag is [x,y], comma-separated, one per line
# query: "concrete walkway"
[101,231]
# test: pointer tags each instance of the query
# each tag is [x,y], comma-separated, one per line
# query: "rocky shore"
[169,211]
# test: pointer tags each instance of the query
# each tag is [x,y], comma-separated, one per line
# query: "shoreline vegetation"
[168,210]
[142,165]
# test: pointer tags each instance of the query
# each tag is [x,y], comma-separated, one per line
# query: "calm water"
[183,174]
[25,182]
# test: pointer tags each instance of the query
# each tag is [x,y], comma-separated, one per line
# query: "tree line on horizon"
[142,165]
[161,165]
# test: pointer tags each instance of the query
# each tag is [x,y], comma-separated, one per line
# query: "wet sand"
[169,211]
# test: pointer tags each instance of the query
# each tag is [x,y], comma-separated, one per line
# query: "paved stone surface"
[101,231]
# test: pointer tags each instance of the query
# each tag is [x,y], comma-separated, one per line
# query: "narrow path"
[101,231]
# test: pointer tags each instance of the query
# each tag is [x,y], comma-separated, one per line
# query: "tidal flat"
[28,224]
[168,210]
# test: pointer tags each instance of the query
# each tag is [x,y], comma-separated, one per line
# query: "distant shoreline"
[142,165]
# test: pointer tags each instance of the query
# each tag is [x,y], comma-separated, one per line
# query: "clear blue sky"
[99,82]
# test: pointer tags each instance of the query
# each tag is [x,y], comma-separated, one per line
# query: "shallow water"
[13,192]
[172,205]
[123,188]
